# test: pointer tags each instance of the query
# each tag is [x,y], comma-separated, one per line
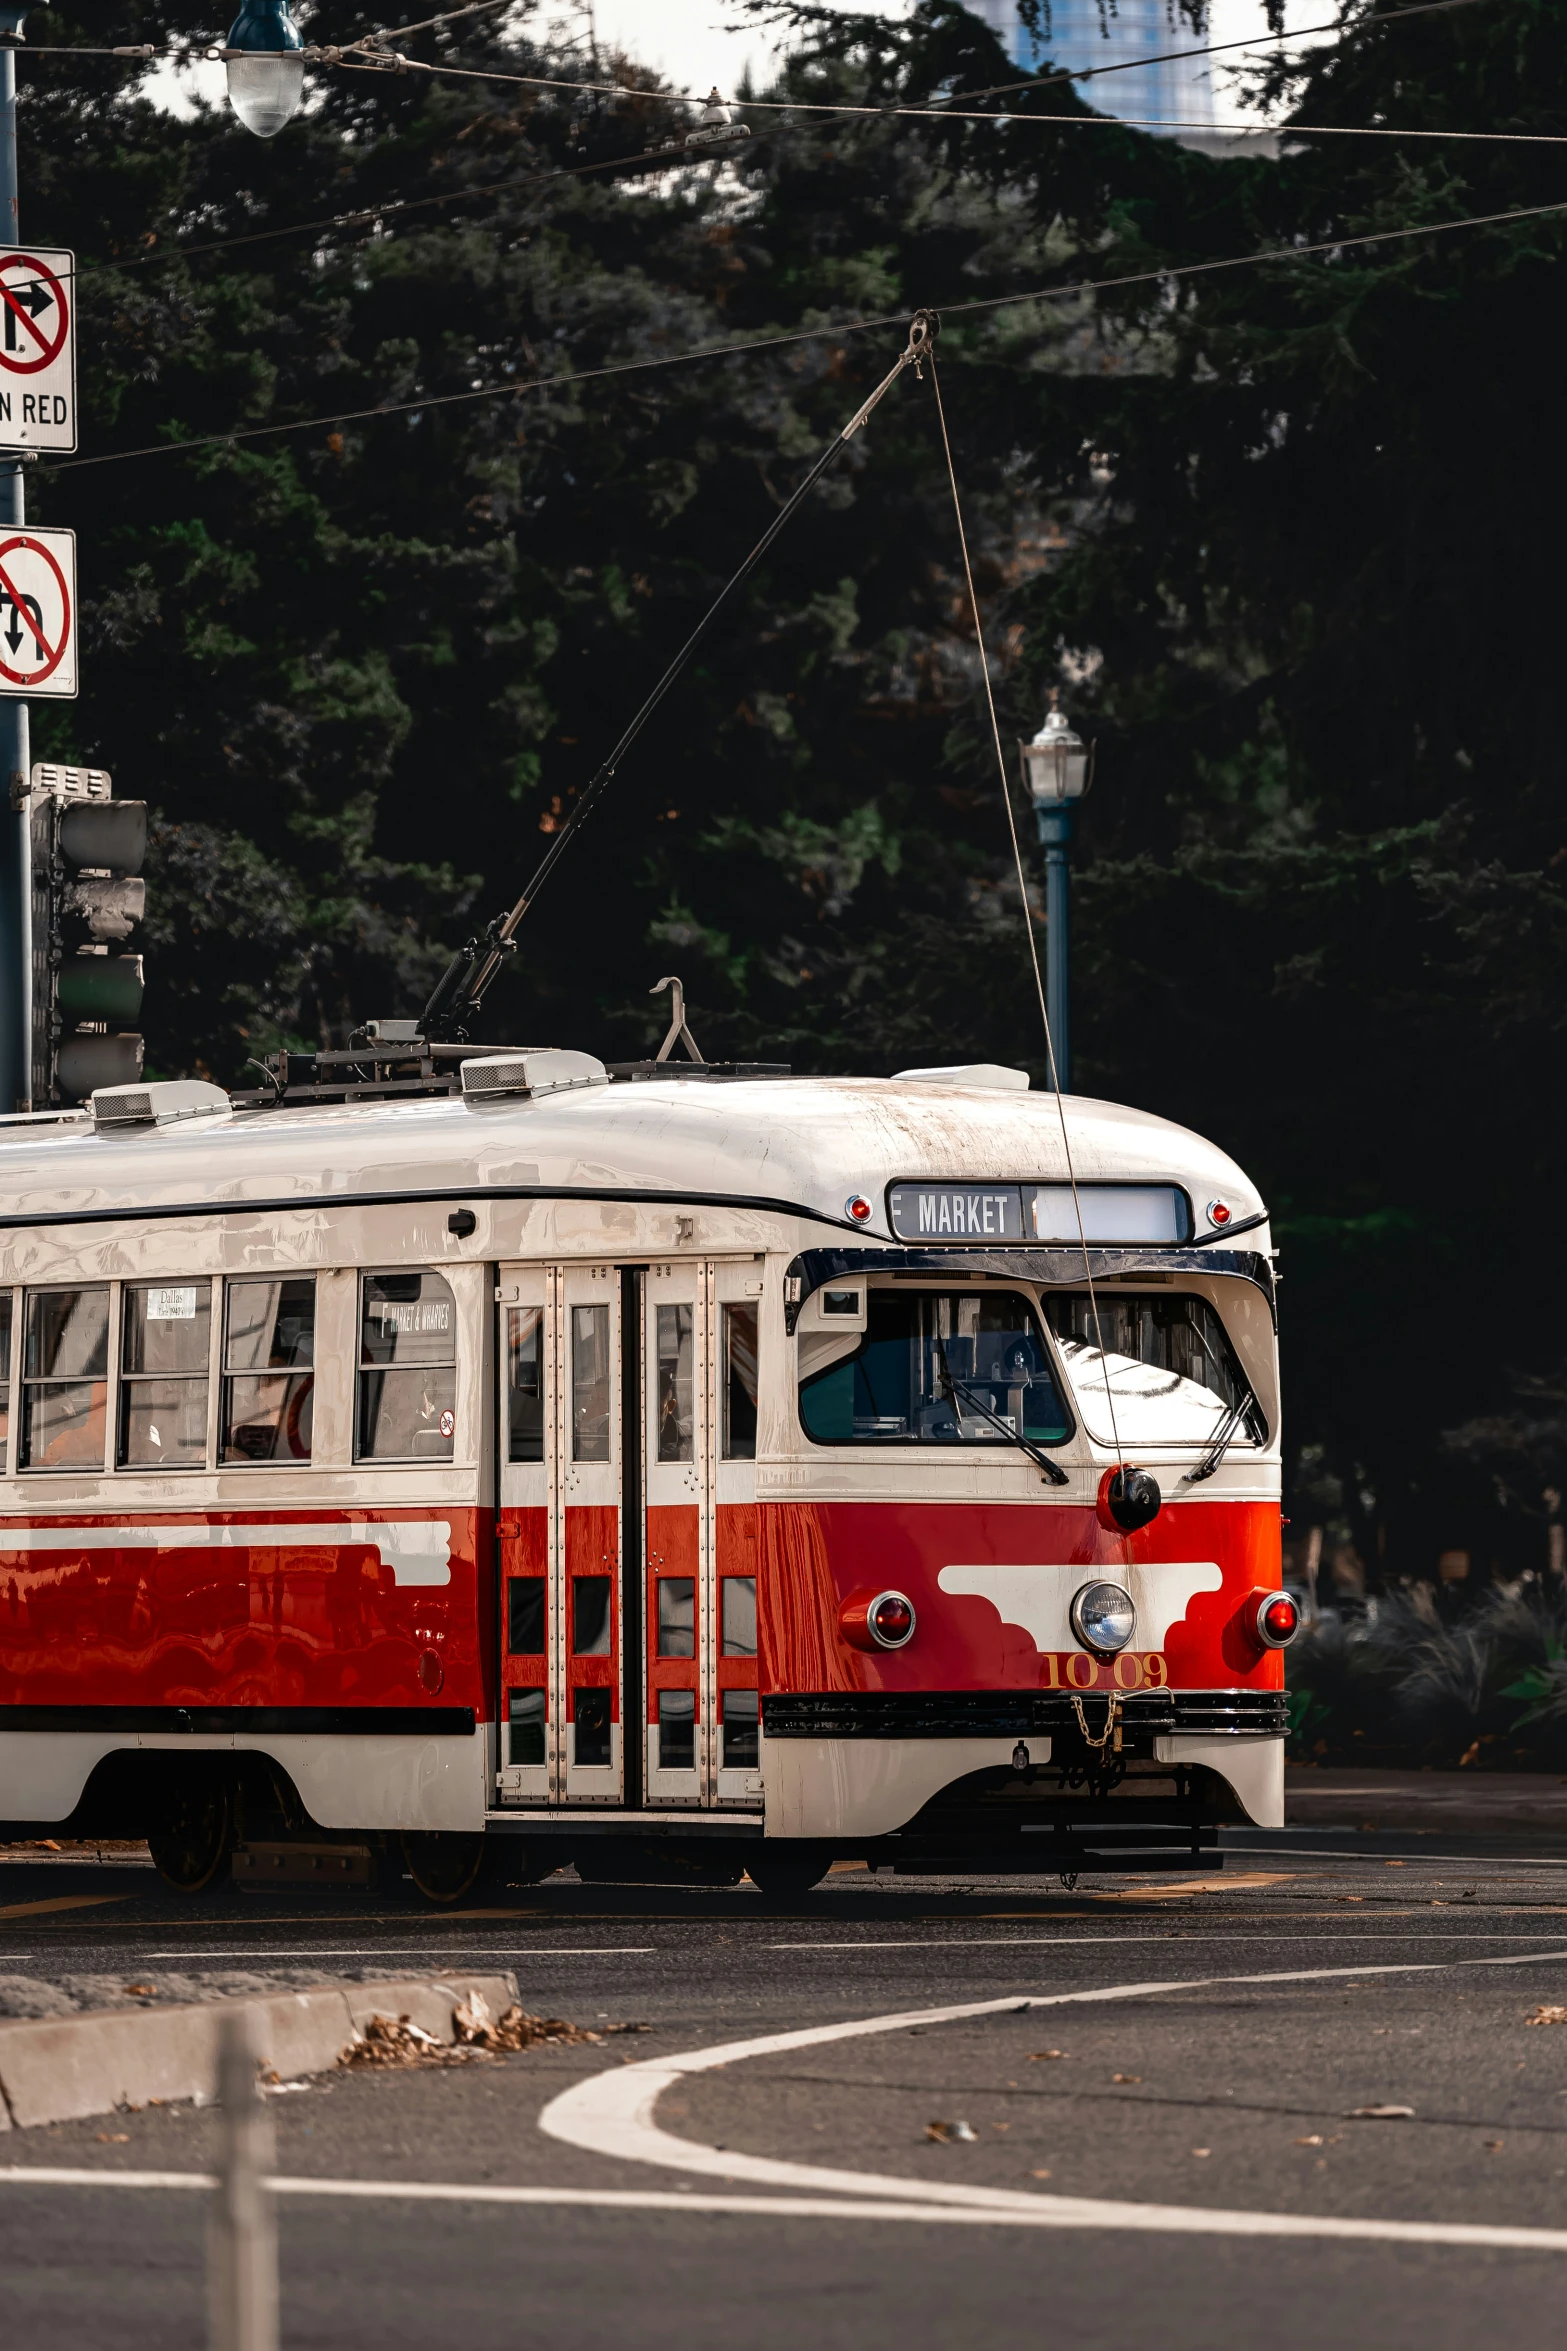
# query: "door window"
[739,1615]
[676,1616]
[742,1730]
[269,1353]
[165,1349]
[590,1721]
[677,1730]
[737,1376]
[407,1368]
[65,1379]
[590,1615]
[525,1383]
[525,1728]
[525,1616]
[590,1383]
[674,1383]
[5,1371]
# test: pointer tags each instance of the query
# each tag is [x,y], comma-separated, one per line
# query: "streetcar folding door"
[700,1352]
[559,1534]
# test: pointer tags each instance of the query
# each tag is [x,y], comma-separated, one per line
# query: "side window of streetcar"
[165,1348]
[738,1375]
[939,1367]
[407,1367]
[269,1353]
[65,1378]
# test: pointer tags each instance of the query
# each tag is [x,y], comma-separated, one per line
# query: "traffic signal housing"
[88,899]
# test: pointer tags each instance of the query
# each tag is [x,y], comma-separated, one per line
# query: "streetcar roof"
[805,1145]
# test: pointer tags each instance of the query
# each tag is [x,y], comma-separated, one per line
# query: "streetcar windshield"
[1171,1373]
[939,1367]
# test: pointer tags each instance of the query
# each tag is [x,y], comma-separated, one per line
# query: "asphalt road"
[1197,2047]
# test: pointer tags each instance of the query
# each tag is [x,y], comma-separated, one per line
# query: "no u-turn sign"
[37,612]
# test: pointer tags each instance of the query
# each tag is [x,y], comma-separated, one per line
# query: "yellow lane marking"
[61,1902]
[1222,1885]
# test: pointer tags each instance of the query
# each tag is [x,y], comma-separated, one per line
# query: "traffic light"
[88,897]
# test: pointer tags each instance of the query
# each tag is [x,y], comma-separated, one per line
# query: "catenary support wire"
[1023,899]
[461,987]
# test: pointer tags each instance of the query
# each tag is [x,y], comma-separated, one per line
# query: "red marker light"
[873,1620]
[1219,1212]
[1277,1619]
[858,1207]
[892,1620]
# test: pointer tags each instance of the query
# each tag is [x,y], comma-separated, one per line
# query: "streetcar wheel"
[445,1864]
[193,1834]
[787,1871]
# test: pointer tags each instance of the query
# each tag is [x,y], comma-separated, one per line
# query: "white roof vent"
[530,1071]
[971,1073]
[162,1103]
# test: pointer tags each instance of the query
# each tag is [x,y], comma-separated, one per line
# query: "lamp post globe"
[266,66]
[1058,767]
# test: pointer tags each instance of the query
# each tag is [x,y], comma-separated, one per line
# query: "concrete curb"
[58,2069]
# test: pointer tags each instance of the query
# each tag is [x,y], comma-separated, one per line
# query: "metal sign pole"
[16,881]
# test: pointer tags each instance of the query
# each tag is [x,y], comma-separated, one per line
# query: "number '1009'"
[1133,1670]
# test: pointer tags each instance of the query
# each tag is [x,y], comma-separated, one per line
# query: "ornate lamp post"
[1058,767]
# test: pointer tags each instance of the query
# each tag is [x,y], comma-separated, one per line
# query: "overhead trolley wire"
[1071,292]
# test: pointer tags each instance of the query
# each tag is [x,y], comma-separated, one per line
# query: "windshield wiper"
[1229,1430]
[1052,1470]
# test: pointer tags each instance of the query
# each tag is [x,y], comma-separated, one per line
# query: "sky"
[687,40]
[694,43]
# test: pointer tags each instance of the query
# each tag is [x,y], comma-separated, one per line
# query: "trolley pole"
[1055,832]
[242,2267]
[16,879]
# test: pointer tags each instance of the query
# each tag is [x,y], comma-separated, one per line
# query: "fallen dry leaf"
[1547,2012]
[114,2138]
[947,2132]
[1126,2077]
[1379,2113]
[1039,2175]
[1043,2056]
[141,1991]
[1314,2140]
[1494,2146]
[1202,2150]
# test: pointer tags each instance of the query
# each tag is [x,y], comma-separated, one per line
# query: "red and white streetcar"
[669,1470]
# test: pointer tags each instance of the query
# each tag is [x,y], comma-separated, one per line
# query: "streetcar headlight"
[1276,1619]
[1103,1618]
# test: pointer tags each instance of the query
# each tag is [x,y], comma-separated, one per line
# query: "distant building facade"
[1179,91]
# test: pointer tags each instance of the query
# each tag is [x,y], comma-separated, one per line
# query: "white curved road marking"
[613,2114]
[1059,2212]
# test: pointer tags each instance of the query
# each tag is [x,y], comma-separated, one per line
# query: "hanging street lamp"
[265,61]
[1058,767]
